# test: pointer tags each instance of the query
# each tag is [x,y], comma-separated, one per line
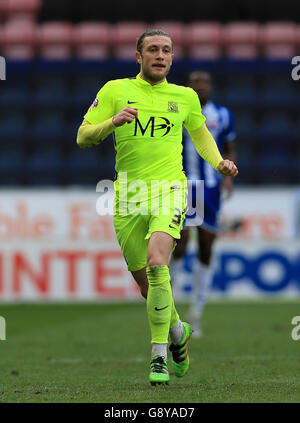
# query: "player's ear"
[138,57]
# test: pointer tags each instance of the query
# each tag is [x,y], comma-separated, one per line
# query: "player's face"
[156,58]
[201,83]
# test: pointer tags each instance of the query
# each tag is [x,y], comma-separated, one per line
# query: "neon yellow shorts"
[134,230]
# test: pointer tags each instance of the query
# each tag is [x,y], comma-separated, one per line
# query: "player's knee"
[155,259]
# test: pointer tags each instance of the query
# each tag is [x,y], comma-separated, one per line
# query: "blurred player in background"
[219,121]
[146,114]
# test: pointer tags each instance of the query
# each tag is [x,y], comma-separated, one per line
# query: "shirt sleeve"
[103,106]
[206,146]
[194,118]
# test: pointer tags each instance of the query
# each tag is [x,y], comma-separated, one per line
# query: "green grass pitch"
[101,352]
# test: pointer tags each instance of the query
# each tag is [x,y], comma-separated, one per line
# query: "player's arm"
[92,134]
[89,134]
[208,149]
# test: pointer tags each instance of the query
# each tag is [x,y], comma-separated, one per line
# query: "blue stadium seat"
[277,91]
[241,90]
[87,166]
[85,92]
[273,167]
[71,129]
[49,127]
[14,96]
[45,166]
[276,126]
[245,126]
[12,162]
[13,128]
[246,160]
[51,93]
[297,130]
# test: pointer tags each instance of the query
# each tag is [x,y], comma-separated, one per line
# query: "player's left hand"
[227,168]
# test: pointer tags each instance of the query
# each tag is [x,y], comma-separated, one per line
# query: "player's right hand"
[126,115]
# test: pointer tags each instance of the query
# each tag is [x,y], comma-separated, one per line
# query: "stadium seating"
[246,127]
[86,167]
[55,40]
[241,40]
[273,168]
[283,95]
[14,128]
[124,39]
[91,40]
[276,126]
[44,107]
[177,32]
[12,164]
[14,97]
[3,9]
[242,90]
[18,39]
[203,40]
[26,9]
[45,165]
[48,127]
[85,91]
[278,40]
[246,160]
[197,40]
[51,93]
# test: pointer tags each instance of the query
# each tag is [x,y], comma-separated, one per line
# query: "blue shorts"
[211,208]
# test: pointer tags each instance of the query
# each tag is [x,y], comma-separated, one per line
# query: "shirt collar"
[147,84]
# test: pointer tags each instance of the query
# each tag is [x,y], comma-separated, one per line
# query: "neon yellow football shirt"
[150,147]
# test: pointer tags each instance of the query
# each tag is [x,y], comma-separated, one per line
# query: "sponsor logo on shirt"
[156,126]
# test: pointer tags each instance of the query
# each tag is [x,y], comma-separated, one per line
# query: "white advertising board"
[55,246]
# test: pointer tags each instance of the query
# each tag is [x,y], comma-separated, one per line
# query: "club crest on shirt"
[95,104]
[172,107]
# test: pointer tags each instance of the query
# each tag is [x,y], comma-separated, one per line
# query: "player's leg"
[159,302]
[140,276]
[162,313]
[203,274]
[163,230]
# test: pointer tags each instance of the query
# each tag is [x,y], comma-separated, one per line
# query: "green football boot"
[180,357]
[159,374]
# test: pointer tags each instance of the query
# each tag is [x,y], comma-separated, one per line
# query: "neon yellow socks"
[159,303]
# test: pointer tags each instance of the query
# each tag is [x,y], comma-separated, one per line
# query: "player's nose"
[160,55]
